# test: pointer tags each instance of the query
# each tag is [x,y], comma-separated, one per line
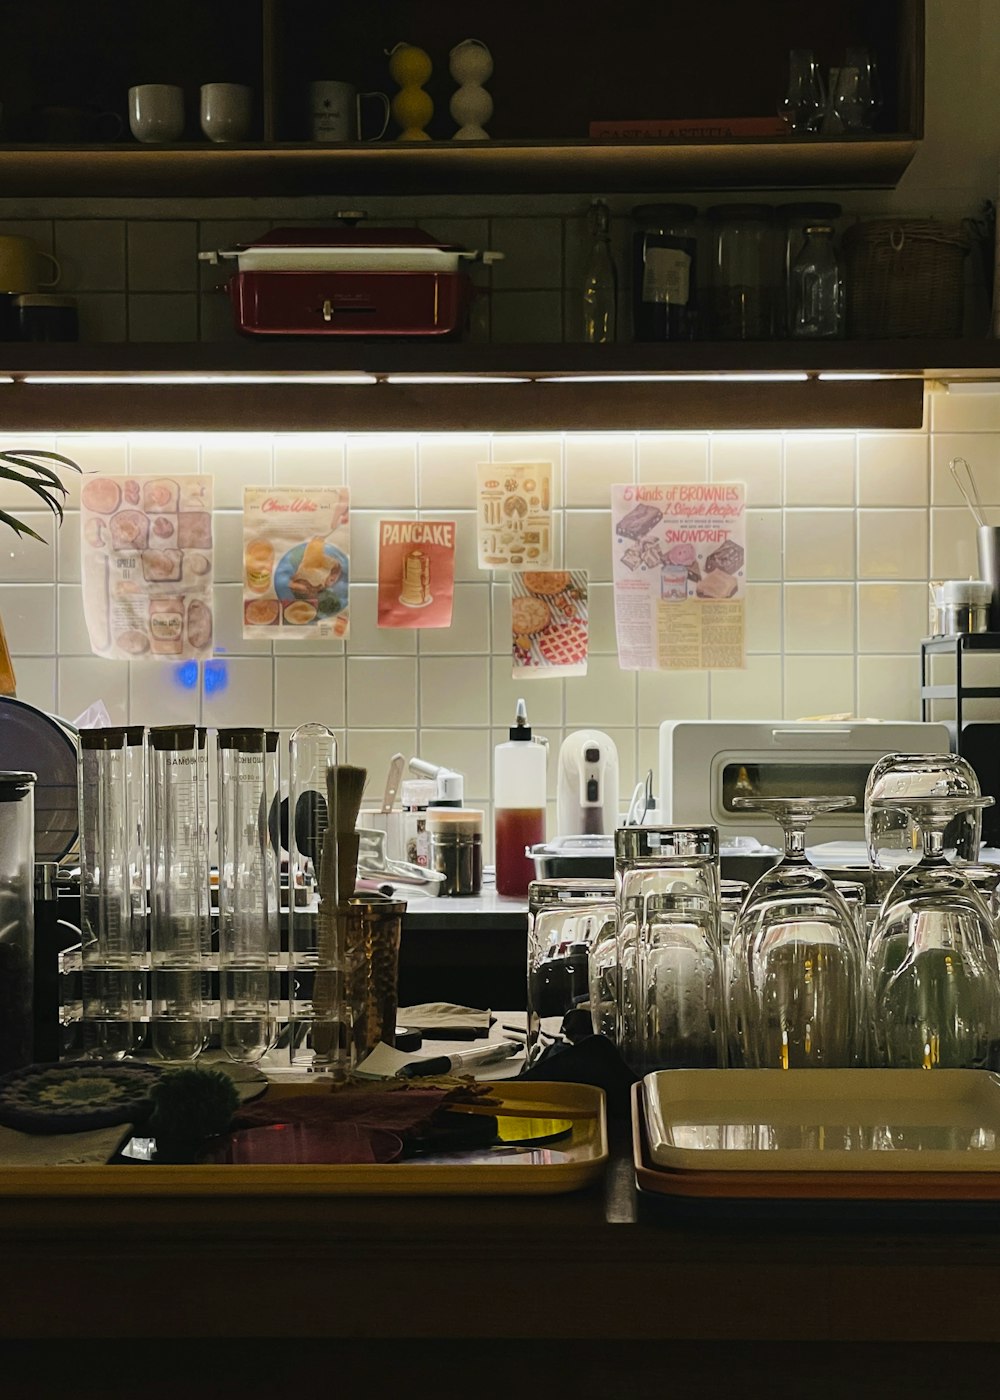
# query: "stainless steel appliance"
[705,764]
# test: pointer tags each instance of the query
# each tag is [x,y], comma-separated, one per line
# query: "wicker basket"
[904,278]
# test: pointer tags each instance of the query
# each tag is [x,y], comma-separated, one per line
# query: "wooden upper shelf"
[446,167]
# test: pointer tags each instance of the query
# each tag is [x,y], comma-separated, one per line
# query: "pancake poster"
[549,623]
[416,572]
[146,566]
[296,561]
[679,554]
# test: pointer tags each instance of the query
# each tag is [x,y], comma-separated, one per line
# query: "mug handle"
[110,126]
[55,264]
[385,122]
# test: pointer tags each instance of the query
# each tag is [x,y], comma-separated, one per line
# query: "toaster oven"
[705,764]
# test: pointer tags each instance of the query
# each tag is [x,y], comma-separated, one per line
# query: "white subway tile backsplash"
[26,560]
[819,544]
[83,680]
[447,469]
[818,685]
[594,463]
[819,469]
[892,544]
[891,616]
[965,413]
[672,457]
[819,617]
[372,749]
[836,599]
[889,687]
[753,458]
[892,469]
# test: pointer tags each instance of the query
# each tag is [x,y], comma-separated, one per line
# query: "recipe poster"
[549,624]
[514,515]
[146,566]
[296,561]
[679,553]
[416,572]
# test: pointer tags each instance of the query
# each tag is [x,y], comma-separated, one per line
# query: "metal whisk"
[970,493]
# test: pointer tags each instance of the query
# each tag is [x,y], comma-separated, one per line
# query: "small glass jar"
[817,288]
[791,230]
[664,272]
[744,272]
[456,848]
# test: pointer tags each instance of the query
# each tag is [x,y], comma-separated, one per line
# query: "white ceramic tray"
[864,1120]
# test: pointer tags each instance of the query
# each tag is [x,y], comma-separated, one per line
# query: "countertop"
[485,911]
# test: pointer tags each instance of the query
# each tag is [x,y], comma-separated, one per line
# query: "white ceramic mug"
[156,112]
[225,111]
[336,112]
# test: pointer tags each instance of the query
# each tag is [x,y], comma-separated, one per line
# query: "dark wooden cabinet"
[559,66]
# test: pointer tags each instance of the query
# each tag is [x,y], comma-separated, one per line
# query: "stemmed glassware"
[797,995]
[857,94]
[804,102]
[933,970]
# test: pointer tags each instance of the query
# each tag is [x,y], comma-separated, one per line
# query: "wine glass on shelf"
[797,958]
[892,835]
[857,94]
[933,969]
[804,101]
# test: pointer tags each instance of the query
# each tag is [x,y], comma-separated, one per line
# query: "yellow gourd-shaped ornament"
[412,108]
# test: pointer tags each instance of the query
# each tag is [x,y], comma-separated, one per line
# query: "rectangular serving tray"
[568,1165]
[845,1134]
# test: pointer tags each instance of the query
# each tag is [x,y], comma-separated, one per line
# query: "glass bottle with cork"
[519,805]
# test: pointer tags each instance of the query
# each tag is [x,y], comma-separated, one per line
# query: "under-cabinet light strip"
[175,379]
[455,379]
[708,377]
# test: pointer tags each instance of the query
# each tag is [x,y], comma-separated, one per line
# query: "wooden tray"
[567,1166]
[802,1186]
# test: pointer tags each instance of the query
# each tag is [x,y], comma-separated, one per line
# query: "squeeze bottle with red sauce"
[518,805]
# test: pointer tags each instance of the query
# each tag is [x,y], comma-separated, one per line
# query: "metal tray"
[568,1166]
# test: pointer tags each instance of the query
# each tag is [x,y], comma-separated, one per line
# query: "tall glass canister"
[112,879]
[318,1005]
[248,913]
[180,902]
[17,907]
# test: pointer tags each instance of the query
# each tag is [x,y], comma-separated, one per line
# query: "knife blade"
[393,779]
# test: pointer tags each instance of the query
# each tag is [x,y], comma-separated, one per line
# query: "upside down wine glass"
[933,970]
[797,959]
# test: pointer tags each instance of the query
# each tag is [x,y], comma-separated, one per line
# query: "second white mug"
[156,112]
[336,112]
[226,111]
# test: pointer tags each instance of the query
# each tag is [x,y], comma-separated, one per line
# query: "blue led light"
[216,676]
[186,675]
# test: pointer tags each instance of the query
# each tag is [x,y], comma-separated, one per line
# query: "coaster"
[75,1096]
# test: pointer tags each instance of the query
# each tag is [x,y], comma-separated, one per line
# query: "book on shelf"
[688,129]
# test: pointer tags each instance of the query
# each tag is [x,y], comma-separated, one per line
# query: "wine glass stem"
[933,842]
[795,843]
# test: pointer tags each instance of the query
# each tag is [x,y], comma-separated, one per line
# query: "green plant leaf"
[21,465]
[19,527]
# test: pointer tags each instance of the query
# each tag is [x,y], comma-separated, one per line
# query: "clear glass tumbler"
[566,921]
[670,947]
[893,836]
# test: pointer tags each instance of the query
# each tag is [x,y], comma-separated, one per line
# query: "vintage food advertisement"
[549,623]
[514,515]
[146,566]
[416,572]
[680,575]
[296,561]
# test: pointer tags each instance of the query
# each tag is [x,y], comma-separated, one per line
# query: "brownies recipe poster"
[296,561]
[549,623]
[416,572]
[146,566]
[680,575]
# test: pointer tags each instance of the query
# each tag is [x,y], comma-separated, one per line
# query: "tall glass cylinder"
[180,907]
[17,897]
[318,1006]
[113,888]
[566,919]
[248,912]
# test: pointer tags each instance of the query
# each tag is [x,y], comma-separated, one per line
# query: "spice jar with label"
[664,272]
[456,848]
[744,271]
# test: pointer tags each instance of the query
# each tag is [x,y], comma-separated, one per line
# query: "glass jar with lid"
[744,271]
[664,272]
[792,220]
